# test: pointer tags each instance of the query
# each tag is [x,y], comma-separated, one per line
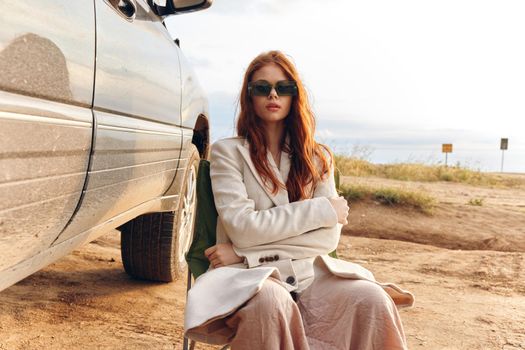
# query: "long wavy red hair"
[299,125]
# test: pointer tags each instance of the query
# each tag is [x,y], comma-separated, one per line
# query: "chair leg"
[188,287]
[188,284]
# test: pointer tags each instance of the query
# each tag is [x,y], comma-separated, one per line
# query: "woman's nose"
[273,93]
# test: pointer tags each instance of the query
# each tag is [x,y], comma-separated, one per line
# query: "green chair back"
[205,222]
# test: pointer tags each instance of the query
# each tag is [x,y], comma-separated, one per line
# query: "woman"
[271,284]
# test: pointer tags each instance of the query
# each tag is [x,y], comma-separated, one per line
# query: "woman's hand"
[341,208]
[222,255]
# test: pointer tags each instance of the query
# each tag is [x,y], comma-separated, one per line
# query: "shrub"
[355,193]
[390,196]
[476,202]
[395,196]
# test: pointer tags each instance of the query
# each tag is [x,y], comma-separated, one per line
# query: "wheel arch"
[201,136]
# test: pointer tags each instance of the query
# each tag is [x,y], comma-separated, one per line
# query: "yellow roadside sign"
[446,148]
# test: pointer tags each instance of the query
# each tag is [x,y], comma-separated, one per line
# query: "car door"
[137,113]
[47,58]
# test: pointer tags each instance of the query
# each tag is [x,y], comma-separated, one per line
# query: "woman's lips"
[273,107]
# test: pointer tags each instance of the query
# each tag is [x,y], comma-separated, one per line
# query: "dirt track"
[465,299]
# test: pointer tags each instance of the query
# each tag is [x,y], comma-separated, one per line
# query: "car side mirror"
[176,7]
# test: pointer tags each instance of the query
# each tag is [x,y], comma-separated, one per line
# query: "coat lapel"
[281,197]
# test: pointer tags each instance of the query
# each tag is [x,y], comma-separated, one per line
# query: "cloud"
[235,7]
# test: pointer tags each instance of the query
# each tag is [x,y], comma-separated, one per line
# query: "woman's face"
[272,108]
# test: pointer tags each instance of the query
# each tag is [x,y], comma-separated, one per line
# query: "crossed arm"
[294,230]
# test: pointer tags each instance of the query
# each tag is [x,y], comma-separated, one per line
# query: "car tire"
[154,245]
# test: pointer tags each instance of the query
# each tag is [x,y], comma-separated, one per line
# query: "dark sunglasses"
[264,88]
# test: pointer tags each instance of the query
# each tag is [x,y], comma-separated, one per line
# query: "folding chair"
[204,231]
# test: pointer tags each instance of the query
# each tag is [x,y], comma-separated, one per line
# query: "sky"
[389,81]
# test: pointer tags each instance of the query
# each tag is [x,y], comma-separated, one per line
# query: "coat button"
[270,258]
[261,260]
[276,257]
[290,280]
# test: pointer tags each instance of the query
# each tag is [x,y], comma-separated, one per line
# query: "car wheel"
[154,245]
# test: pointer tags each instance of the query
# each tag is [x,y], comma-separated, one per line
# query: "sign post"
[446,148]
[504,145]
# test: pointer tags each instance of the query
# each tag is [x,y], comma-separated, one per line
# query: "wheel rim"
[187,214]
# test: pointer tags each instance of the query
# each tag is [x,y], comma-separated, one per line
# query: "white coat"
[288,241]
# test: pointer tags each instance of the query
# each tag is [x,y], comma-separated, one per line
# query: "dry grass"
[476,202]
[390,197]
[420,172]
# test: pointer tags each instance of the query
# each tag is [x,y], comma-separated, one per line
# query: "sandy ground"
[498,224]
[465,265]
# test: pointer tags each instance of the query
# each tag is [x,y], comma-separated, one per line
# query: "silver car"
[102,125]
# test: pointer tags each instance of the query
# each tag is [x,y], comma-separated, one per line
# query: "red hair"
[299,125]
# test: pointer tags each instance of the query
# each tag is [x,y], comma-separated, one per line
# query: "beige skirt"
[332,313]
